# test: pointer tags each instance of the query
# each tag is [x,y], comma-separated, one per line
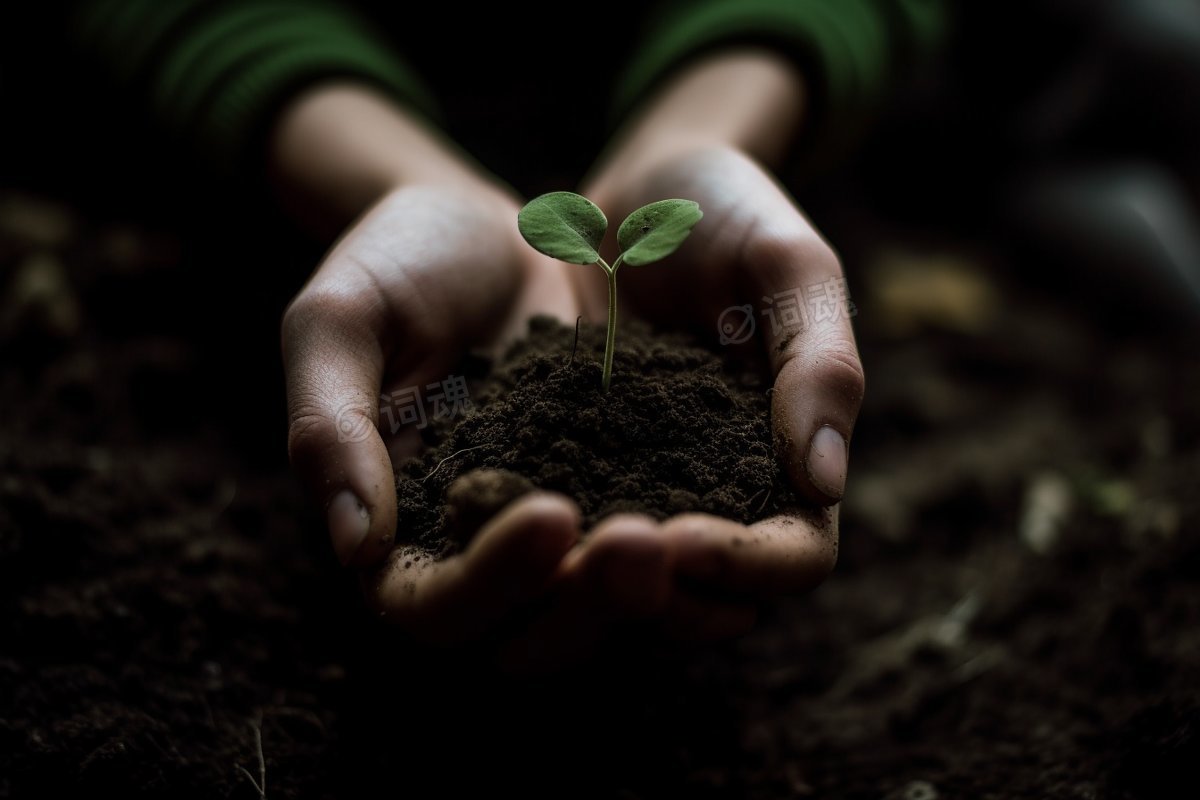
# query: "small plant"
[570,227]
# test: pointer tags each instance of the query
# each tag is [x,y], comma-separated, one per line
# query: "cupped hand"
[754,252]
[427,273]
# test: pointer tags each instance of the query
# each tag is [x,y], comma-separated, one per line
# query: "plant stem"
[611,340]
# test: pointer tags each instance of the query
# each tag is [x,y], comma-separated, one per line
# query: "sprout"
[569,227]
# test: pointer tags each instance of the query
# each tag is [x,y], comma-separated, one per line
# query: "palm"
[451,274]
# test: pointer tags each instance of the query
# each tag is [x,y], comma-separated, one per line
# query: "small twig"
[447,458]
[576,342]
[261,784]
[254,783]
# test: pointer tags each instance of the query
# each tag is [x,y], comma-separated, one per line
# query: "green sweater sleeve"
[213,74]
[849,50]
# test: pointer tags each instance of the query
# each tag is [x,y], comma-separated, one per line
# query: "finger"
[510,562]
[786,554]
[333,365]
[628,564]
[694,618]
[819,378]
[621,573]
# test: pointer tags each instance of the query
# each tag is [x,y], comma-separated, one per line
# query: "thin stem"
[611,340]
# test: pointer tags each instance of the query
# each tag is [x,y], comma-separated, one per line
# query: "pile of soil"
[682,428]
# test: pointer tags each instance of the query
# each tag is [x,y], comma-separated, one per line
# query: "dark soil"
[1015,612]
[680,429]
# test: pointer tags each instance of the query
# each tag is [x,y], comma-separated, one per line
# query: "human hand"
[427,273]
[754,246]
[436,267]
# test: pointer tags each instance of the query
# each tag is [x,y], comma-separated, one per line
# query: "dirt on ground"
[1015,612]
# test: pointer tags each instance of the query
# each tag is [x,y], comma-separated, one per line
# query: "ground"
[1015,612]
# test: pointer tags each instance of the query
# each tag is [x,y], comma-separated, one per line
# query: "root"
[447,458]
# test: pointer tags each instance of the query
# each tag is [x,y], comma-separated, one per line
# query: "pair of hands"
[437,267]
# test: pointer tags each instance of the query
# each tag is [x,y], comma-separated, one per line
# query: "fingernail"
[827,462]
[349,522]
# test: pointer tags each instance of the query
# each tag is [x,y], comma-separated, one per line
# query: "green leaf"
[654,231]
[565,226]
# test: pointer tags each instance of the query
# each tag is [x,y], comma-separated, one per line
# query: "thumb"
[333,364]
[819,378]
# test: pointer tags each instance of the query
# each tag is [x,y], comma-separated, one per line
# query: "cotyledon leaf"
[655,231]
[565,226]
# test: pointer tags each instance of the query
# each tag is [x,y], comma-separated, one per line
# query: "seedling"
[570,227]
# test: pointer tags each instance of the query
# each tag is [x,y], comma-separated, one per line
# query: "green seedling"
[569,227]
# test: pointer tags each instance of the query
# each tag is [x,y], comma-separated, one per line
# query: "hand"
[435,267]
[753,246]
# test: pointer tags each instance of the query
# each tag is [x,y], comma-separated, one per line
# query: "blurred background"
[1017,605]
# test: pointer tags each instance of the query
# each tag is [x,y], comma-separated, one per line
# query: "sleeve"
[212,75]
[850,51]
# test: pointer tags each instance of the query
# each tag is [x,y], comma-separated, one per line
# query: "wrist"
[338,148]
[748,100]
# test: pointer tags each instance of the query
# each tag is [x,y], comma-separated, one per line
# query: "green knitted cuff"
[216,74]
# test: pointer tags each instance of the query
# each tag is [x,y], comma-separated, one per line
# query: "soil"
[1015,612]
[682,428]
